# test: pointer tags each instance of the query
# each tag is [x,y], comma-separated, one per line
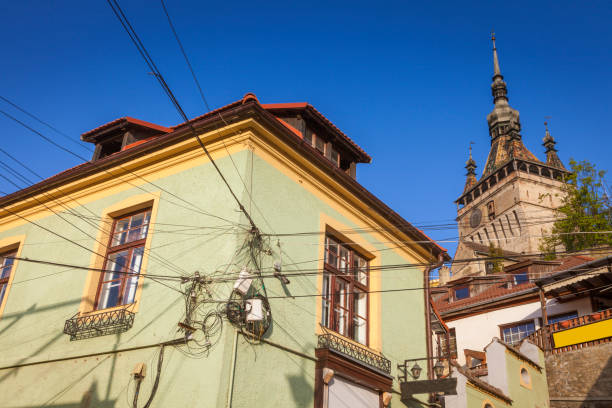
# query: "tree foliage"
[585,211]
[497,261]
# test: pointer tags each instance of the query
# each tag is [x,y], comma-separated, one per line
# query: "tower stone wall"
[512,204]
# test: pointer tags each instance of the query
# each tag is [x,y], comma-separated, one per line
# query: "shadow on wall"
[602,388]
[90,400]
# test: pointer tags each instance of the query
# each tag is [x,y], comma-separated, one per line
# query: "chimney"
[444,273]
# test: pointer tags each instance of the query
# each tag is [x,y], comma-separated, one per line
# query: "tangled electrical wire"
[247,307]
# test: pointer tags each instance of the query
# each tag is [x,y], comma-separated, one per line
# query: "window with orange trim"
[345,291]
[117,285]
[6,267]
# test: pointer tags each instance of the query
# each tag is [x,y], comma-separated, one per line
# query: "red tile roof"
[571,261]
[175,132]
[126,119]
[307,106]
[497,291]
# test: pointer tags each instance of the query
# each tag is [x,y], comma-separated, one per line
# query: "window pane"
[362,273]
[331,252]
[132,281]
[308,137]
[462,293]
[6,264]
[344,259]
[325,301]
[2,291]
[115,265]
[513,335]
[341,320]
[131,228]
[319,143]
[334,156]
[120,236]
[5,272]
[520,278]
[360,310]
[109,294]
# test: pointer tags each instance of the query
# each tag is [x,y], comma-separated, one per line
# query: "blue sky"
[408,81]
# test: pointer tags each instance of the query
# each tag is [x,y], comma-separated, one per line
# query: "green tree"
[585,214]
[497,261]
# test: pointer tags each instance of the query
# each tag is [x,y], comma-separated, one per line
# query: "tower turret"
[503,120]
[551,153]
[470,166]
[504,124]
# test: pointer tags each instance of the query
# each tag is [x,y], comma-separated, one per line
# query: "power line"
[316,271]
[153,256]
[97,166]
[36,118]
[151,64]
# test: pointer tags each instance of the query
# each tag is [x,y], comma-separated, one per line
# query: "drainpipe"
[428,341]
[230,391]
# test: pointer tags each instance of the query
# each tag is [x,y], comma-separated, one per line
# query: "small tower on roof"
[470,166]
[551,153]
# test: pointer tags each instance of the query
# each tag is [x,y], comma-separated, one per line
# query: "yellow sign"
[582,334]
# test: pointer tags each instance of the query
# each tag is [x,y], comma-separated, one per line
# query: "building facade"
[251,274]
[509,377]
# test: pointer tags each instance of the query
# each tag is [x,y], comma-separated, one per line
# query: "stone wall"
[581,378]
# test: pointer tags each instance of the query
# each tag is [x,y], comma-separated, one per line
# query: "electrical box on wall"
[254,309]
[243,283]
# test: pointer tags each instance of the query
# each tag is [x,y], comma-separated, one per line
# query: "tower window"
[491,209]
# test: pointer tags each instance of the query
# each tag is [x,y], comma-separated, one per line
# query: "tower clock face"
[475,218]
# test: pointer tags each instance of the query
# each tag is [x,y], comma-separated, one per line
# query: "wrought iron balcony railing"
[355,352]
[98,324]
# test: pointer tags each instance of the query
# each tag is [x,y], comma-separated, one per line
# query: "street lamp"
[439,369]
[416,371]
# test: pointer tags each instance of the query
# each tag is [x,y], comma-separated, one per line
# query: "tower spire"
[470,166]
[498,87]
[496,70]
[551,152]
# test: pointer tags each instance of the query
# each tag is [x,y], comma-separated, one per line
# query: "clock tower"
[512,205]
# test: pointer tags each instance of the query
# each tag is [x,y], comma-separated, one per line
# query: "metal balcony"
[98,324]
[354,352]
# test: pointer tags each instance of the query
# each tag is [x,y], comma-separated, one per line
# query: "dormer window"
[319,143]
[334,156]
[462,293]
[520,278]
[121,134]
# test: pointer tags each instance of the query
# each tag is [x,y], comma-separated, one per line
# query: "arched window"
[525,379]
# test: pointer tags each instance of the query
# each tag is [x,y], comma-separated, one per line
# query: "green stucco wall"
[43,297]
[537,395]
